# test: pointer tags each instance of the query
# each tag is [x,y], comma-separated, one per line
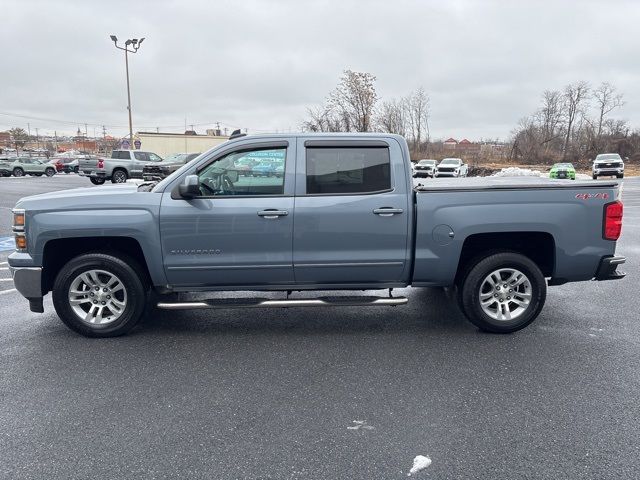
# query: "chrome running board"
[285,303]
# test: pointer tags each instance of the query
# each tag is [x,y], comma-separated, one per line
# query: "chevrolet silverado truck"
[344,216]
[608,164]
[122,165]
[452,167]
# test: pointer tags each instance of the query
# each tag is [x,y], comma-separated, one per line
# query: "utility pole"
[37,139]
[55,136]
[135,45]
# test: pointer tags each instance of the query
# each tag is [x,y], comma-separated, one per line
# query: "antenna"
[237,134]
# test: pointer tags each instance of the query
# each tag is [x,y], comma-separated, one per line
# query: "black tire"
[18,172]
[96,181]
[620,176]
[119,176]
[36,174]
[76,169]
[595,177]
[473,282]
[50,172]
[126,269]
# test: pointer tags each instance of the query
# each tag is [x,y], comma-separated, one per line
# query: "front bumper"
[28,281]
[423,173]
[607,270]
[608,171]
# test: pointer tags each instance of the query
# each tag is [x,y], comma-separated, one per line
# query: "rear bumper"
[607,270]
[28,281]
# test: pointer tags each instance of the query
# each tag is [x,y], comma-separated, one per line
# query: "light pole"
[135,45]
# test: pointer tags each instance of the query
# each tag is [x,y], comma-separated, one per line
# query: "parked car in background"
[563,170]
[608,165]
[21,166]
[65,164]
[425,168]
[160,170]
[122,165]
[451,167]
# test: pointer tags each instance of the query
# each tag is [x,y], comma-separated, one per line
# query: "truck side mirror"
[190,187]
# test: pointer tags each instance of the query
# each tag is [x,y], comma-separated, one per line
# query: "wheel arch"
[57,252]
[539,246]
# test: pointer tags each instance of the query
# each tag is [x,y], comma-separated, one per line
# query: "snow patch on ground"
[518,172]
[419,463]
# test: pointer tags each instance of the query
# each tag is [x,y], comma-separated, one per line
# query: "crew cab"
[343,216]
[451,167]
[122,165]
[608,165]
[425,168]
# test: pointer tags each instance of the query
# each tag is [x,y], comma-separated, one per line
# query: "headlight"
[19,229]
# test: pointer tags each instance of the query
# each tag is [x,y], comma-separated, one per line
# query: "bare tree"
[354,100]
[607,100]
[393,117]
[19,137]
[349,108]
[418,113]
[574,96]
[550,117]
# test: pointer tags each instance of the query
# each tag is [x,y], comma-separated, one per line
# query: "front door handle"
[387,211]
[271,214]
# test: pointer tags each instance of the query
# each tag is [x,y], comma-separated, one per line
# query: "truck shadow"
[428,310]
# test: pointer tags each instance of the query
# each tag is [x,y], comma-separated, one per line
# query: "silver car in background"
[608,165]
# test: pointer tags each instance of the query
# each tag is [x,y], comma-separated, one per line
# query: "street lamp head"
[140,42]
[134,41]
[128,42]
[114,38]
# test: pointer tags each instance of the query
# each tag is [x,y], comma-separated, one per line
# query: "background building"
[165,144]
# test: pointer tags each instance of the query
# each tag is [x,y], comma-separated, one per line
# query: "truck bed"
[568,212]
[501,183]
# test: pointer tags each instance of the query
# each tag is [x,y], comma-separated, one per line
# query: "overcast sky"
[260,64]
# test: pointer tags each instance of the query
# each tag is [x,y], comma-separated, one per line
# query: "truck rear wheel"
[119,176]
[97,181]
[100,295]
[503,293]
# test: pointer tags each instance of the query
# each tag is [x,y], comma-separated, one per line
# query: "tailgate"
[87,165]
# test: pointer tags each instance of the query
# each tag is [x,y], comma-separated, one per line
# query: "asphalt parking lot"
[344,393]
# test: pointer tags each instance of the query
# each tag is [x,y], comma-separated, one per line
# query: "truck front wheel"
[100,295]
[503,292]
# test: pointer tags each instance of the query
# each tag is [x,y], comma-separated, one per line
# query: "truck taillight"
[612,225]
[100,163]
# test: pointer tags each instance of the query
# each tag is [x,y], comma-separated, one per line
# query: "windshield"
[451,161]
[608,156]
[176,158]
[563,165]
[427,162]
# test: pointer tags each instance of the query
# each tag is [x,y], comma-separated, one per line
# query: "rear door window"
[347,170]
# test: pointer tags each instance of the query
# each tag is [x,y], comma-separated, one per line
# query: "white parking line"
[4,263]
[8,291]
[2,268]
[6,279]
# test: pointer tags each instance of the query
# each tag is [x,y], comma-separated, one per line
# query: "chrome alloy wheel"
[97,297]
[505,294]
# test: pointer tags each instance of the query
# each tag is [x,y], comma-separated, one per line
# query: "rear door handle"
[387,211]
[271,214]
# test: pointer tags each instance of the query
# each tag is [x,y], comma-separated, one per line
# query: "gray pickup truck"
[122,165]
[344,216]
